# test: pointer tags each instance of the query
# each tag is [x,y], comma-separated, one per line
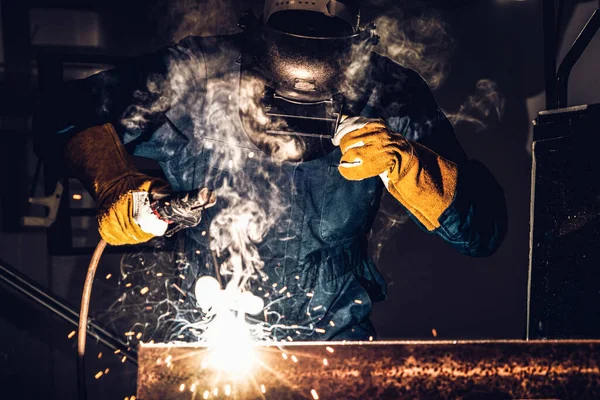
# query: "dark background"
[431,287]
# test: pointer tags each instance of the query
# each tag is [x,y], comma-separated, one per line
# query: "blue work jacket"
[179,106]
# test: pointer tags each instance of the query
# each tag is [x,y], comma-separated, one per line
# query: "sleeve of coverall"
[475,223]
[133,97]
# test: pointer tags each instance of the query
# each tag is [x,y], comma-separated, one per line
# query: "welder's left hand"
[421,180]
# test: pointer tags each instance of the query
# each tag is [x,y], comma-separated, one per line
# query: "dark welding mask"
[303,52]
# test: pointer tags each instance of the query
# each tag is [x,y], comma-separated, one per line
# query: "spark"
[283,289]
[329,349]
[434,332]
[263,389]
[193,387]
[310,294]
[325,362]
[331,323]
[206,394]
[297,277]
[144,290]
[139,335]
[159,274]
[182,387]
[314,394]
[275,285]
[132,398]
[317,308]
[129,333]
[319,330]
[251,155]
[285,356]
[227,390]
[123,359]
[128,284]
[181,276]
[179,289]
[70,335]
[168,359]
[294,359]
[100,355]
[98,375]
[106,371]
[108,276]
[117,351]
[77,196]
[370,338]
[215,391]
[358,301]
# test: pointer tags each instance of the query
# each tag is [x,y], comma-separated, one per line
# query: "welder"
[333,123]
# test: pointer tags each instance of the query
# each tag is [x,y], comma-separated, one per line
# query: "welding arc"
[83,318]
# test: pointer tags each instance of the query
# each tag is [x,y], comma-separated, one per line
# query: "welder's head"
[318,18]
[303,46]
[302,50]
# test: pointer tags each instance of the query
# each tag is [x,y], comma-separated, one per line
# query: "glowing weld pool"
[566,369]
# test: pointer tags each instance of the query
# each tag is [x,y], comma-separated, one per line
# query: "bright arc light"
[230,346]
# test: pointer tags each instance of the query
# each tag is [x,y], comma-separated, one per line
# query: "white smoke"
[418,40]
[487,102]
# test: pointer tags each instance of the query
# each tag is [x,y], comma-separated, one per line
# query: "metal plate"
[378,370]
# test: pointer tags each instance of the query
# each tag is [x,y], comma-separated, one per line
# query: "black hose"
[83,318]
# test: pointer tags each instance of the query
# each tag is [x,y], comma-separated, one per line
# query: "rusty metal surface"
[380,370]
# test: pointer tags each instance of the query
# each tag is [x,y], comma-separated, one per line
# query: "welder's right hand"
[97,157]
[124,213]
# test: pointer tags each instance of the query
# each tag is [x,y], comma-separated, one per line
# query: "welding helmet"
[302,50]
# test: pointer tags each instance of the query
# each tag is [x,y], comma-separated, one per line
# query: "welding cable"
[83,318]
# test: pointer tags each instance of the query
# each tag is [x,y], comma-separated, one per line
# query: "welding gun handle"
[182,209]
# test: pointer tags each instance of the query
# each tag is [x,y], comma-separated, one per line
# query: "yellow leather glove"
[99,160]
[421,180]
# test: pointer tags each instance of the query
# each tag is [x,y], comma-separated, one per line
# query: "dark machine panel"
[564,283]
